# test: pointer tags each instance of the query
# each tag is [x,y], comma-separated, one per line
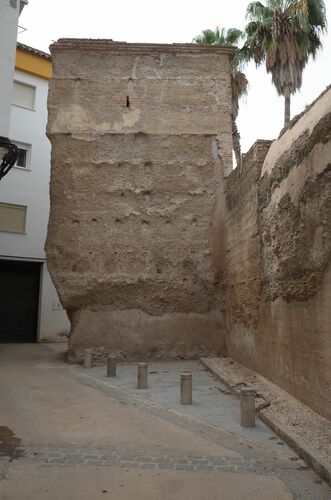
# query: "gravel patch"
[312,429]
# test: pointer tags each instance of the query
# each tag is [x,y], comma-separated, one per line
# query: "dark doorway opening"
[19,300]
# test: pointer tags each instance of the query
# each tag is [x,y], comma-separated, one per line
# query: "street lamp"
[8,155]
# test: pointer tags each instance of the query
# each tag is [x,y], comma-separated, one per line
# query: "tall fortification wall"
[141,138]
[278,220]
[156,251]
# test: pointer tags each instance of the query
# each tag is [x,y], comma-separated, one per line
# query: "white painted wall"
[30,187]
[53,322]
[9,14]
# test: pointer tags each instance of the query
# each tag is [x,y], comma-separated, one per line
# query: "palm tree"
[239,82]
[283,34]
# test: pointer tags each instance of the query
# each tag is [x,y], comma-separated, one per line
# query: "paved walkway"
[212,401]
[68,433]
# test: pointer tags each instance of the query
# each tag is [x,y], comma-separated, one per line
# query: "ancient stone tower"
[141,138]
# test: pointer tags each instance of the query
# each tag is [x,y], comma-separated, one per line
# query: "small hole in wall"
[127,101]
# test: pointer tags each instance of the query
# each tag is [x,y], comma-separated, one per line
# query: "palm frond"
[284,34]
[233,36]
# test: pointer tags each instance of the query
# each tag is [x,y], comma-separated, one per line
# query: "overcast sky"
[175,21]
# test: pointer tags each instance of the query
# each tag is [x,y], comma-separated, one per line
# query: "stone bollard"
[186,388]
[247,405]
[111,365]
[87,362]
[142,376]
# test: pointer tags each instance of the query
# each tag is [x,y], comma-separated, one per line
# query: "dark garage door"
[19,299]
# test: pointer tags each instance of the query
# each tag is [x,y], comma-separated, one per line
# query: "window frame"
[34,95]
[25,207]
[27,147]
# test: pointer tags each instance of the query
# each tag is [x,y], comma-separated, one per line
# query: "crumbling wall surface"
[140,137]
[289,340]
[243,289]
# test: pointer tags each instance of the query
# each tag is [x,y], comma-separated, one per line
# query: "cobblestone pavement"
[66,456]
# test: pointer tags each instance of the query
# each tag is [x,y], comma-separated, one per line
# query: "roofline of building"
[87,44]
[33,51]
[33,61]
[23,3]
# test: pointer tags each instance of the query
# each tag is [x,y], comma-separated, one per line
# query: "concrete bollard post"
[87,362]
[186,388]
[142,381]
[247,406]
[111,365]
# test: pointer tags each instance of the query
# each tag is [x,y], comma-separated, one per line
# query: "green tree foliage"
[239,82]
[283,34]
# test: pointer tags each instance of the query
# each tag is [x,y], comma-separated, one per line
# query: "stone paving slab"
[212,402]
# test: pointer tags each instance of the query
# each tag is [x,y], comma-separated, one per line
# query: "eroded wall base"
[132,335]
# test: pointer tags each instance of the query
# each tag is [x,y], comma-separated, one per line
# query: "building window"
[22,158]
[12,218]
[23,95]
[24,155]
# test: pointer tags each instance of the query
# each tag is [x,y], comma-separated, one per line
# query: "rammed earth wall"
[278,219]
[141,138]
[156,251]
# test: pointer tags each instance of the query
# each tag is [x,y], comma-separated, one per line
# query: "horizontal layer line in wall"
[82,45]
[307,351]
[106,77]
[242,282]
[87,134]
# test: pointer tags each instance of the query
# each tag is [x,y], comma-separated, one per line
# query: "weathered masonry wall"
[141,137]
[243,290]
[279,252]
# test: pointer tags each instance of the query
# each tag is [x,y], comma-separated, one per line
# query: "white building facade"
[30,310]
[9,14]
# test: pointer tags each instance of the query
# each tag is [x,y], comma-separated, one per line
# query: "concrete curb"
[310,455]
